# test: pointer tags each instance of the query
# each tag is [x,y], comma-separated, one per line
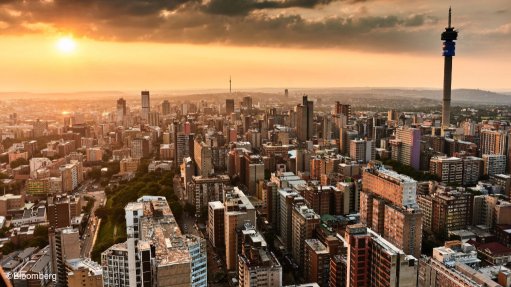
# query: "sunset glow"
[66,45]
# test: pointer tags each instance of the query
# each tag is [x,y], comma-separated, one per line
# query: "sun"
[66,45]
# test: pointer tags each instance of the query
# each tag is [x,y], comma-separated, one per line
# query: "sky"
[166,45]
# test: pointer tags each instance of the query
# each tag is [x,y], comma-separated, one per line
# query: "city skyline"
[190,45]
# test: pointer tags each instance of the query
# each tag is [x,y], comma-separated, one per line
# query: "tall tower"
[146,106]
[230,84]
[449,36]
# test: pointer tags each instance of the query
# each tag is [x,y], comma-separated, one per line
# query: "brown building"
[446,210]
[84,273]
[215,228]
[64,245]
[304,222]
[317,262]
[373,261]
[338,272]
[61,209]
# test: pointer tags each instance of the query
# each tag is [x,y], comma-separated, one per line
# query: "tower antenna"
[450,14]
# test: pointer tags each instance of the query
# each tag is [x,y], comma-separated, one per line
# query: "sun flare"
[66,45]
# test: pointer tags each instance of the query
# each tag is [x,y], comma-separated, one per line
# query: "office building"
[121,111]
[238,210]
[64,245]
[201,190]
[304,120]
[406,146]
[362,150]
[374,261]
[317,262]
[454,170]
[304,222]
[146,105]
[141,147]
[492,142]
[203,157]
[165,107]
[446,210]
[229,106]
[257,266]
[215,227]
[494,164]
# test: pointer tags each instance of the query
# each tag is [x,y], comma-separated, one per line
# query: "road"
[215,260]
[93,224]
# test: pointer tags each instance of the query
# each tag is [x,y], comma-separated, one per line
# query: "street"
[93,224]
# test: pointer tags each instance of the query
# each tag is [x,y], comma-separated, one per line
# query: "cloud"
[276,23]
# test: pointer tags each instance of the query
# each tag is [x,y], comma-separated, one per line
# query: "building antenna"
[450,13]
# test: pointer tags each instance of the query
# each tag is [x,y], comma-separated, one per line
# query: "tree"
[17,162]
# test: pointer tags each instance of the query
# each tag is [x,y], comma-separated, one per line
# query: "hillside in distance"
[354,96]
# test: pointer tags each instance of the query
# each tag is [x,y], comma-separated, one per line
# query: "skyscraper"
[229,106]
[146,105]
[304,119]
[448,36]
[406,146]
[65,245]
[121,110]
[165,107]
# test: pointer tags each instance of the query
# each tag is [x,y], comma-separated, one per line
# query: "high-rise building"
[146,105]
[238,210]
[184,145]
[257,266]
[64,245]
[72,175]
[155,253]
[304,120]
[406,146]
[316,262]
[342,109]
[394,187]
[287,199]
[121,111]
[338,272]
[215,228]
[154,118]
[141,147]
[362,150]
[446,210]
[304,222]
[462,171]
[201,190]
[165,107]
[203,157]
[388,205]
[61,209]
[494,164]
[492,142]
[229,106]
[373,261]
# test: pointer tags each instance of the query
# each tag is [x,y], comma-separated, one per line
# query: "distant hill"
[367,96]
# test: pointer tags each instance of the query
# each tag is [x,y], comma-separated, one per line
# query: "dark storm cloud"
[232,22]
[244,7]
